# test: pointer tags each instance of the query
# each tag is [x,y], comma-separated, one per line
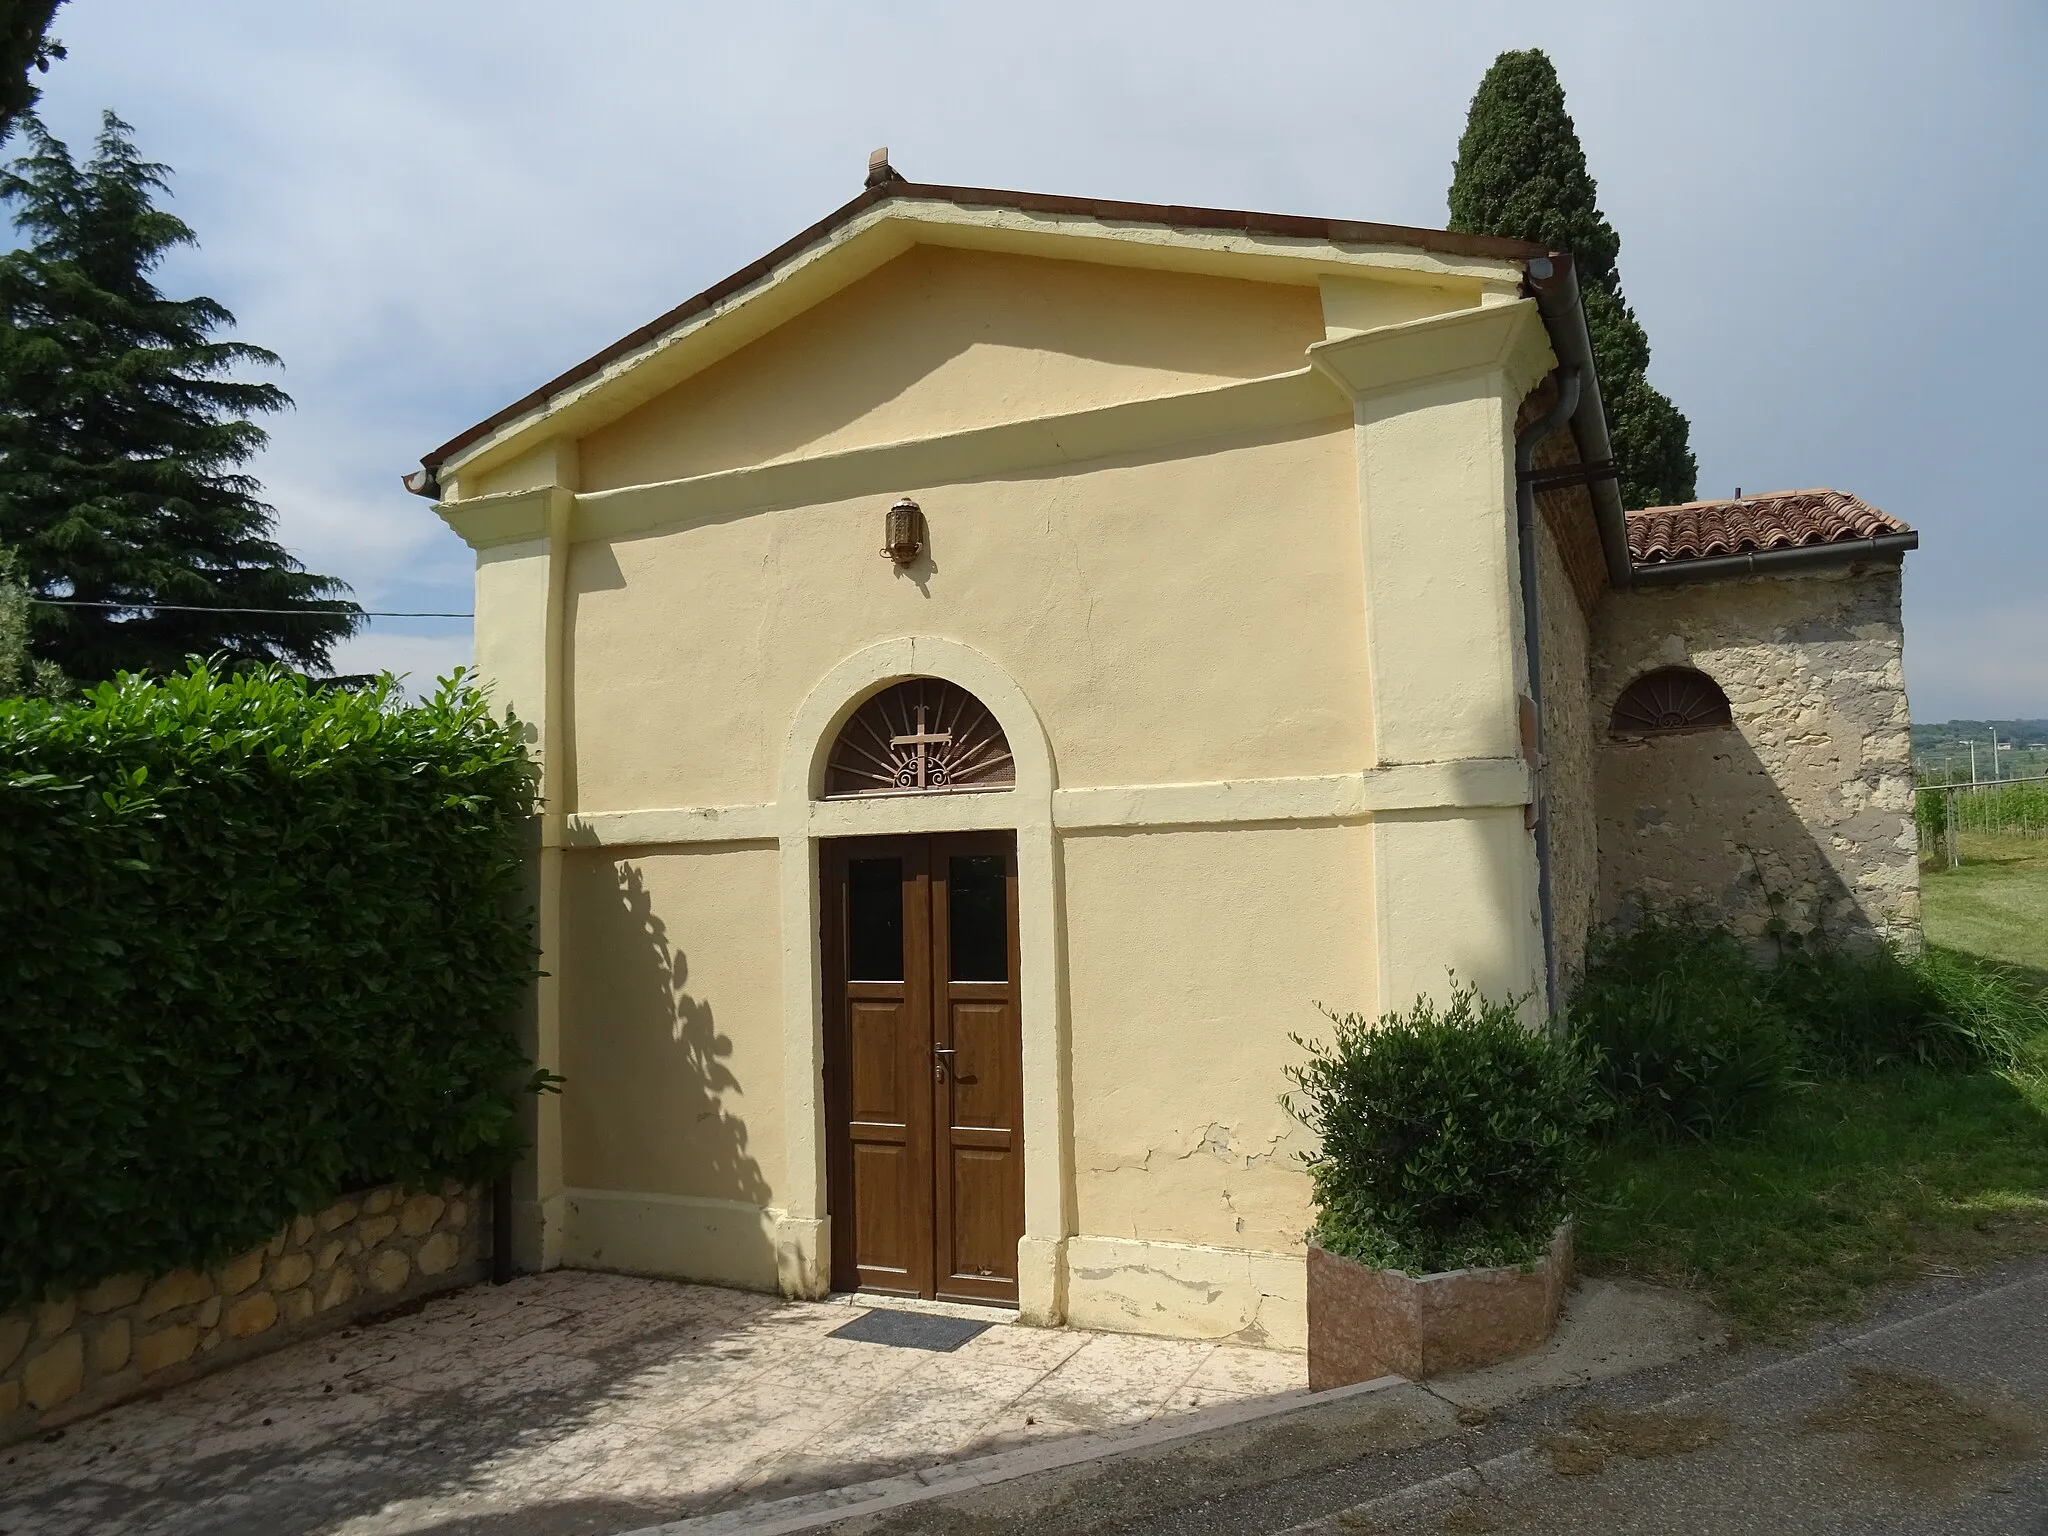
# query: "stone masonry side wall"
[1568,757]
[1810,796]
[133,1334]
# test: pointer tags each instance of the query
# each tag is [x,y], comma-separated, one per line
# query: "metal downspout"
[501,1229]
[1526,444]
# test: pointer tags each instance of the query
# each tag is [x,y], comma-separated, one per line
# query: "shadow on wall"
[1763,745]
[1696,818]
[649,1104]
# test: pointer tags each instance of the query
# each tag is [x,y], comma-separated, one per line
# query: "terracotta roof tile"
[1701,530]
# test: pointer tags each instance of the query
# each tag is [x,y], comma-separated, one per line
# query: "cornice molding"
[1507,338]
[510,517]
[1248,409]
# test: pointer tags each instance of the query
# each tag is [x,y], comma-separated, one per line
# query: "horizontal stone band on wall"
[1463,784]
[137,1333]
[1272,403]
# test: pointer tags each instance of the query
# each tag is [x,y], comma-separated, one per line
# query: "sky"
[1832,217]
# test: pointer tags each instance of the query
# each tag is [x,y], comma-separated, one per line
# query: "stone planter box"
[1364,1323]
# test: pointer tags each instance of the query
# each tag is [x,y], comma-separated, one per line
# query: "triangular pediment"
[911,315]
[940,341]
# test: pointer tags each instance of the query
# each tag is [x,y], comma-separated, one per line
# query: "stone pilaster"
[521,539]
[1434,404]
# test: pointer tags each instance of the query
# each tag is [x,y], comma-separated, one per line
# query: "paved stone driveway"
[575,1402]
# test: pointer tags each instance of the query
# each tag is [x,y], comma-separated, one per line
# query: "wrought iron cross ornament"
[920,736]
[923,771]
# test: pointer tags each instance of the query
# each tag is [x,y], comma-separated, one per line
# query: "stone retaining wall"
[133,1334]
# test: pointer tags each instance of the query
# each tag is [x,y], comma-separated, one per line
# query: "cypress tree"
[1521,172]
[123,433]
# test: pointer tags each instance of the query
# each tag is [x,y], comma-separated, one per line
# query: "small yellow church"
[998,661]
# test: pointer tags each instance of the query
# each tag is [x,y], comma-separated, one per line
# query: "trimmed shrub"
[1449,1138]
[1681,1039]
[264,943]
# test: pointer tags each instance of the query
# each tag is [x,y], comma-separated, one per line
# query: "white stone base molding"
[718,1242]
[1188,1291]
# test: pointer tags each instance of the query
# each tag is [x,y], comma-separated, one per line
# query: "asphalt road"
[1931,1417]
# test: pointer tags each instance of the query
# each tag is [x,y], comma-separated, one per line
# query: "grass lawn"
[1996,905]
[1858,1184]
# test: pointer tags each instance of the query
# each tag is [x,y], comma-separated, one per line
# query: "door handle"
[939,1068]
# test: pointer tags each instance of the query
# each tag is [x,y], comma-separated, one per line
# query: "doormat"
[909,1330]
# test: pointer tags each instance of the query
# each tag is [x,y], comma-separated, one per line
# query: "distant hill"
[1945,748]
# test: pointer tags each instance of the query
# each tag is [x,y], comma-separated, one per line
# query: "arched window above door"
[1669,700]
[925,736]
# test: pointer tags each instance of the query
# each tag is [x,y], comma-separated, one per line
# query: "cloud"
[429,209]
[1991,665]
[421,660]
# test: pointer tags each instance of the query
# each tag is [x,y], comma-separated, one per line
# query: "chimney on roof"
[880,171]
[1738,493]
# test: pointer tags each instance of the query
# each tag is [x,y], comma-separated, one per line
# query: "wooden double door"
[924,1065]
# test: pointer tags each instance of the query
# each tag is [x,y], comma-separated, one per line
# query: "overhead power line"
[290,613]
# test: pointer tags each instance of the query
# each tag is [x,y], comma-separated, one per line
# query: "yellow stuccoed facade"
[1222,531]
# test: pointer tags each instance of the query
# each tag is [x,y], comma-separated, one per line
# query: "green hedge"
[262,944]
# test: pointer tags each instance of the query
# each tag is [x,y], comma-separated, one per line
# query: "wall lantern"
[903,533]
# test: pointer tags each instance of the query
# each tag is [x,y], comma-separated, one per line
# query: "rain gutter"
[1554,284]
[1770,561]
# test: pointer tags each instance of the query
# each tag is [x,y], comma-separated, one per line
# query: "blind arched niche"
[1669,700]
[925,736]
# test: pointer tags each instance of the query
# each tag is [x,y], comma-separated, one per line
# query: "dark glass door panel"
[874,919]
[977,917]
